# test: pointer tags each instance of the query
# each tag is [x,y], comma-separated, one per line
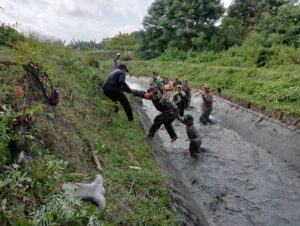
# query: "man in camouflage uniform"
[168,109]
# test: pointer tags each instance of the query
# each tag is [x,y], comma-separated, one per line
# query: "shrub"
[173,54]
[9,36]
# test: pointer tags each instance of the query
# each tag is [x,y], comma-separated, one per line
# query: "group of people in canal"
[169,97]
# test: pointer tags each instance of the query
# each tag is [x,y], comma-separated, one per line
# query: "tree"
[121,42]
[272,6]
[284,28]
[245,12]
[152,39]
[244,15]
[179,24]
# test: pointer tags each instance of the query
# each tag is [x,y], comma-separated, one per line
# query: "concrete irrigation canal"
[248,175]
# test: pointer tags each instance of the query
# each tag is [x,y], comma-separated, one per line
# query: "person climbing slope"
[114,86]
[168,109]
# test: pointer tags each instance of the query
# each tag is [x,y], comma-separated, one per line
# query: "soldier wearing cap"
[168,109]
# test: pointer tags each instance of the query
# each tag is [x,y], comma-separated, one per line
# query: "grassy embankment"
[57,151]
[276,88]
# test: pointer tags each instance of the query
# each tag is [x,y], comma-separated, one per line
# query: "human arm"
[142,94]
[176,98]
[115,64]
[207,98]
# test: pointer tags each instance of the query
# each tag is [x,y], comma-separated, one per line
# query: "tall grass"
[58,151]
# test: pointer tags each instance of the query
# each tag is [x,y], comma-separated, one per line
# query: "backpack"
[40,77]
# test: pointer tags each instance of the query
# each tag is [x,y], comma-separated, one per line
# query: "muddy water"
[234,182]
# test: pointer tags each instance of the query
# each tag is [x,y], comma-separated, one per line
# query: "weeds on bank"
[57,153]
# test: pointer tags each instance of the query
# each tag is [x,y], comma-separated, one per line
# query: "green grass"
[275,88]
[58,151]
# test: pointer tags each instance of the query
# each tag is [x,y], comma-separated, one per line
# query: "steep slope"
[56,140]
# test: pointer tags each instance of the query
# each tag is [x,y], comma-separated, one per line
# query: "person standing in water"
[179,99]
[177,82]
[168,109]
[168,88]
[207,105]
[193,134]
[188,92]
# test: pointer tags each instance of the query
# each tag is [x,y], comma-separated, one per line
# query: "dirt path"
[235,182]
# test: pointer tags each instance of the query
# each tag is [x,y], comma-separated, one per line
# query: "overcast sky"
[76,19]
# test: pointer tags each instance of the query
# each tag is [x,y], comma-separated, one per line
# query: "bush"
[9,36]
[202,57]
[173,54]
[284,55]
[263,57]
[4,136]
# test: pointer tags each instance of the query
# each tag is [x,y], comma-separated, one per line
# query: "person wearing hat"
[114,88]
[180,100]
[193,134]
[116,61]
[169,113]
[207,105]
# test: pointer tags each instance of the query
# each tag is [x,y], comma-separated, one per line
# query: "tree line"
[205,25]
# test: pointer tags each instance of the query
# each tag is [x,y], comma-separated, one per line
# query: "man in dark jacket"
[114,86]
[168,109]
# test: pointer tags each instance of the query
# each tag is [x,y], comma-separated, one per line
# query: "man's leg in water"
[168,125]
[193,149]
[205,116]
[158,121]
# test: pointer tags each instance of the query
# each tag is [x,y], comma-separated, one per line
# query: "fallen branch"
[135,167]
[8,63]
[94,157]
[131,186]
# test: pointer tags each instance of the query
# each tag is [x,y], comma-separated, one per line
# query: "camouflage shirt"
[163,104]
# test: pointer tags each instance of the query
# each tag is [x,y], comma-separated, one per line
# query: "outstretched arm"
[142,94]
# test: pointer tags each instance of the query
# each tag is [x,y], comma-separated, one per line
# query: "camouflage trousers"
[165,118]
